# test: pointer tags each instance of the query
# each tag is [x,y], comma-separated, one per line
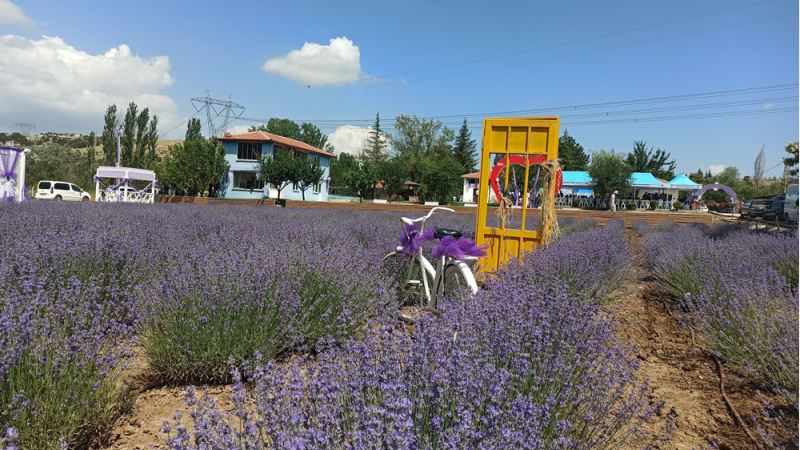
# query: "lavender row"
[526,363]
[196,290]
[739,290]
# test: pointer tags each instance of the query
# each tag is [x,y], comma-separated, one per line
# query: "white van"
[60,190]
[790,204]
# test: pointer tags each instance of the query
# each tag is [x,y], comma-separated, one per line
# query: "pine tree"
[464,148]
[571,153]
[376,143]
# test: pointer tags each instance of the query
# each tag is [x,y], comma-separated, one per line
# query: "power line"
[561,44]
[588,52]
[582,40]
[589,106]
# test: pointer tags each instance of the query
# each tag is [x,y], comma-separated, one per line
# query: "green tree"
[128,140]
[53,161]
[609,172]
[362,179]
[340,166]
[309,174]
[194,165]
[305,132]
[278,170]
[792,159]
[193,129]
[698,176]
[375,150]
[657,162]
[571,153]
[417,138]
[441,177]
[464,149]
[393,174]
[108,138]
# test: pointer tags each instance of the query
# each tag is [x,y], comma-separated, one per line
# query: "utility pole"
[216,108]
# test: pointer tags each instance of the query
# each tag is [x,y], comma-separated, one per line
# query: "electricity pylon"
[216,108]
[25,128]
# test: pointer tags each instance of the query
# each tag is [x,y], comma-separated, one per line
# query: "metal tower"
[216,108]
[25,128]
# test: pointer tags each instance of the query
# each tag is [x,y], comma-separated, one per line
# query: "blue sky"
[424,58]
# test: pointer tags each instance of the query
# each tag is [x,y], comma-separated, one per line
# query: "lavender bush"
[740,291]
[522,364]
[593,264]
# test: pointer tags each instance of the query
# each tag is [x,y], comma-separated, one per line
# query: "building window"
[295,187]
[249,151]
[247,181]
[317,187]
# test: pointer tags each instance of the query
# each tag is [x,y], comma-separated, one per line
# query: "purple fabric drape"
[8,161]
[411,239]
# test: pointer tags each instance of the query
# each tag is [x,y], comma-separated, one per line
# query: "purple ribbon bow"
[411,239]
[458,248]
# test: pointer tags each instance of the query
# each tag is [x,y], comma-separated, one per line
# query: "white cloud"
[768,105]
[716,169]
[11,14]
[349,139]
[315,64]
[58,87]
[238,129]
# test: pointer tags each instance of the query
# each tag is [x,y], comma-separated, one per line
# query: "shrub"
[60,350]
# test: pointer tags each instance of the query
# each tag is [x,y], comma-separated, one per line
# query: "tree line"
[424,151]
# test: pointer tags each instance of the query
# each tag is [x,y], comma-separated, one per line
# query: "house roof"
[681,181]
[472,176]
[263,136]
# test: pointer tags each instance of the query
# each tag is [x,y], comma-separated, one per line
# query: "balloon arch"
[715,187]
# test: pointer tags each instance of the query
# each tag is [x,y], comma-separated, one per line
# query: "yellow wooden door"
[510,231]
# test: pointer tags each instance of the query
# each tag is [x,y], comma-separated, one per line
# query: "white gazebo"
[12,173]
[117,188]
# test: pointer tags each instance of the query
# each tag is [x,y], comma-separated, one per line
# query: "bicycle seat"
[439,233]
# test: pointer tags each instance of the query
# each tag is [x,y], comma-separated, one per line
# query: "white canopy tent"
[120,189]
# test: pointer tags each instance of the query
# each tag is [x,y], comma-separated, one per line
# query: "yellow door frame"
[524,136]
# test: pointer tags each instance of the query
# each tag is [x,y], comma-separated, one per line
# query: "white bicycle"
[422,283]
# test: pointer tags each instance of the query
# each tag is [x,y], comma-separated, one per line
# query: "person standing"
[614,201]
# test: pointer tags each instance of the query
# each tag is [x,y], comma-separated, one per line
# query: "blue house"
[242,152]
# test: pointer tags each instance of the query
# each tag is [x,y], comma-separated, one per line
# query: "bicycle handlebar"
[408,221]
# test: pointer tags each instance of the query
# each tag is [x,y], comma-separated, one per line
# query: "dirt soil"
[680,375]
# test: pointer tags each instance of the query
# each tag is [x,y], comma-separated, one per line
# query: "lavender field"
[738,290]
[297,311]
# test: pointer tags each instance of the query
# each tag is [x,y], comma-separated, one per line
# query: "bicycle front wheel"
[457,279]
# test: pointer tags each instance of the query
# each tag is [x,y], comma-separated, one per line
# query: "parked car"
[775,210]
[60,190]
[755,208]
[790,204]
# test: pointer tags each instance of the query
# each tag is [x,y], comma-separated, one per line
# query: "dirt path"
[679,374]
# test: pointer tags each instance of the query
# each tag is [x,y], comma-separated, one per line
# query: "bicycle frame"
[432,277]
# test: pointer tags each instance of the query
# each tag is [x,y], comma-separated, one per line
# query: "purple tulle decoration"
[458,248]
[411,239]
